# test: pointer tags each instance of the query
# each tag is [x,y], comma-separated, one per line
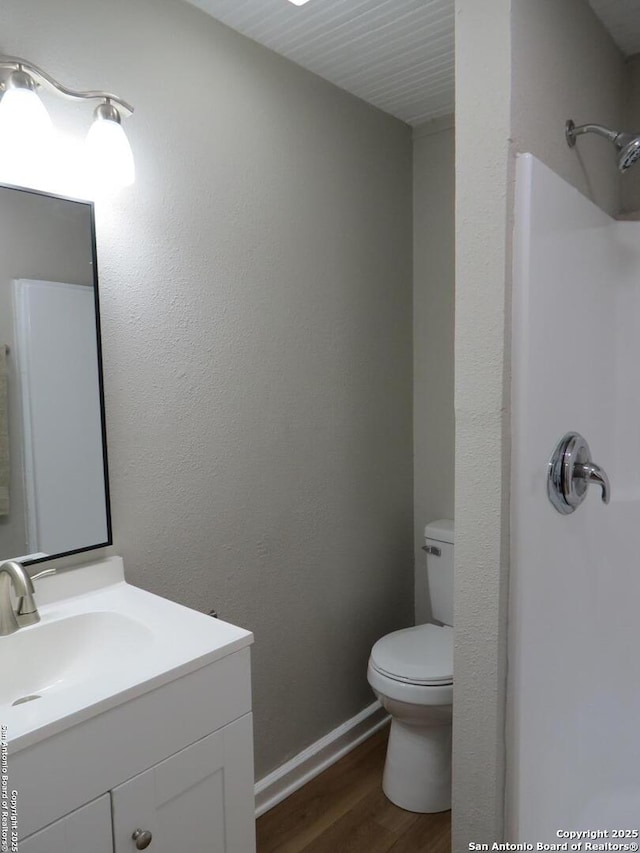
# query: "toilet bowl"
[417,772]
[411,673]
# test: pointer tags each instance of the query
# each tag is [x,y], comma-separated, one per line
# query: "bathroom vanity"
[133,725]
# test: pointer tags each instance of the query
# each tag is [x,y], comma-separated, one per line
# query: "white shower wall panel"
[573,736]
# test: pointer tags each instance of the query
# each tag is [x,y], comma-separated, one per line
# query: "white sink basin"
[64,654]
[100,642]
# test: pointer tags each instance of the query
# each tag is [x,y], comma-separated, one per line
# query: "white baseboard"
[300,769]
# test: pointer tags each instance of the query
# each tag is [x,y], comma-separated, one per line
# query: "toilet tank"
[438,545]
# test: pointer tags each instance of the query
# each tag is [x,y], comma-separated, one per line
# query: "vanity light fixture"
[25,123]
[298,2]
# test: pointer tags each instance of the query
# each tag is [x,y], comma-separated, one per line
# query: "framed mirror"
[54,486]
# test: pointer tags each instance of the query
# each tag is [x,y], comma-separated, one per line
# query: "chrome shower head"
[628,144]
[629,154]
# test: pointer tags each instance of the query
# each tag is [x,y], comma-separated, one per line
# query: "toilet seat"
[409,694]
[420,656]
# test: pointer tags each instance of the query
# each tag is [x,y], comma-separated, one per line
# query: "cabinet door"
[198,801]
[88,828]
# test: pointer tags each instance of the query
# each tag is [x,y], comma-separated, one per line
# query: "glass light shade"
[109,153]
[26,135]
[23,114]
[298,2]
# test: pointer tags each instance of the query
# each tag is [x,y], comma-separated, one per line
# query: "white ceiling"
[396,54]
[622,19]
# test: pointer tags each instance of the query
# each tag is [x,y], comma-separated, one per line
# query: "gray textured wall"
[433,329]
[483,125]
[256,307]
[565,65]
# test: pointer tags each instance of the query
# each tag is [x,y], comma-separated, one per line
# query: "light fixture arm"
[14,63]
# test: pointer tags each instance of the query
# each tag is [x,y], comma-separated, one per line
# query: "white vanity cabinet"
[195,801]
[88,828]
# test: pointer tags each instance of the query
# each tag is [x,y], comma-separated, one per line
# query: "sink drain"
[26,699]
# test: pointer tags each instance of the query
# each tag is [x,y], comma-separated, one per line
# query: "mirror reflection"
[53,472]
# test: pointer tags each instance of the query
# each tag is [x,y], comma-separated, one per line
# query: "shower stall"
[573,708]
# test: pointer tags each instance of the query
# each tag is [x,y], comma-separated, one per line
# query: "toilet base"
[417,770]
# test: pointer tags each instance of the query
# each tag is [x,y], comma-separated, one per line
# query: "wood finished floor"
[343,810]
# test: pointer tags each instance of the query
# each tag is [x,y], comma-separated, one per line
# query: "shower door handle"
[571,471]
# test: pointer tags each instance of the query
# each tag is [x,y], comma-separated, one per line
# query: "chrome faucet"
[13,574]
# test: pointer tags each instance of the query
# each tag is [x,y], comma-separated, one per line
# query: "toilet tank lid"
[441,531]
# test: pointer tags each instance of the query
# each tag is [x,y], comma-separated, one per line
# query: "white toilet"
[411,673]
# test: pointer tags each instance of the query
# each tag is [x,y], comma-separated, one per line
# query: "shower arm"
[571,131]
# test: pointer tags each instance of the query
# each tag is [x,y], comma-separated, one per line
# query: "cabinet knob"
[142,837]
